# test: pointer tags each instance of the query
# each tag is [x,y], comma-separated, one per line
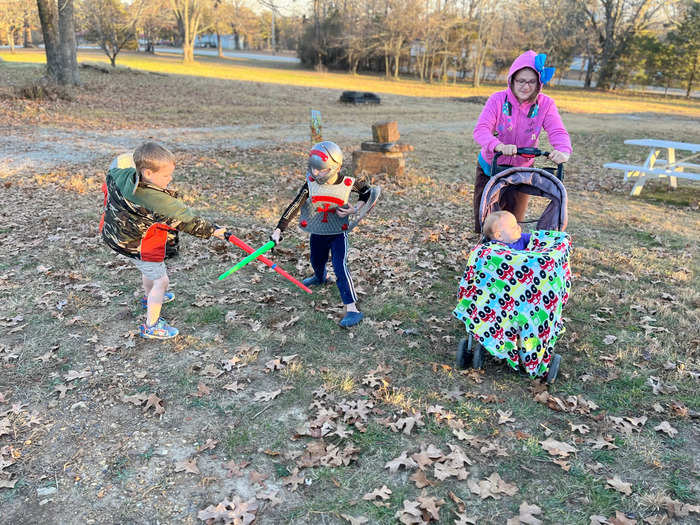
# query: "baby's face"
[508,230]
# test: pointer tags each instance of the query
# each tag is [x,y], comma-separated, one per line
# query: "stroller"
[498,284]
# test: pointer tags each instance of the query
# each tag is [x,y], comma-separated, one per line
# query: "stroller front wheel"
[477,354]
[464,357]
[553,369]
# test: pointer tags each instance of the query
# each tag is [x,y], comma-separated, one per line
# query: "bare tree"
[190,15]
[484,21]
[243,23]
[58,29]
[151,24]
[615,23]
[12,16]
[110,24]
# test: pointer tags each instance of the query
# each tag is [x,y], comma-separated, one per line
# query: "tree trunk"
[589,73]
[691,76]
[68,48]
[219,45]
[27,31]
[397,62]
[386,64]
[476,79]
[49,29]
[11,39]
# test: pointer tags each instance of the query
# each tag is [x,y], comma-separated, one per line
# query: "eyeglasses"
[520,82]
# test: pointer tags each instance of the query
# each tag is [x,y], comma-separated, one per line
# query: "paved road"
[203,51]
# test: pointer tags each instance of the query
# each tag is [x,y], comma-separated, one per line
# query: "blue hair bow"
[546,73]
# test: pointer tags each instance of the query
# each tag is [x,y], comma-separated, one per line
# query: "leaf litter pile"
[265,411]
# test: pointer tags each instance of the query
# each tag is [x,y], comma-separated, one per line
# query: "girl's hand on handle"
[558,157]
[507,149]
[220,233]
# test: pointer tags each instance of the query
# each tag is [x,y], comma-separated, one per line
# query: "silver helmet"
[325,160]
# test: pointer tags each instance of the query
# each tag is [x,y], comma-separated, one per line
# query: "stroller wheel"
[477,354]
[463,355]
[553,369]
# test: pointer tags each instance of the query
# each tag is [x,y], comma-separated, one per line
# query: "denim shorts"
[151,270]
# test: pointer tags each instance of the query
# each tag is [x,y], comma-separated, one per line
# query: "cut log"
[385,131]
[375,162]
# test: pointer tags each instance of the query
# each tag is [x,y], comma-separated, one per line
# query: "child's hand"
[346,210]
[507,149]
[558,157]
[220,233]
[276,235]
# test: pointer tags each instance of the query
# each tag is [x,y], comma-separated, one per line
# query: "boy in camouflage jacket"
[141,220]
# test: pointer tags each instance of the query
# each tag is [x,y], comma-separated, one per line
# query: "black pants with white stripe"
[337,245]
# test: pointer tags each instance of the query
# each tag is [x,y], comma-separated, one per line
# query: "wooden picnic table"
[654,167]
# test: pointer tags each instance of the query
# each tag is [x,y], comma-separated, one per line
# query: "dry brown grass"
[68,305]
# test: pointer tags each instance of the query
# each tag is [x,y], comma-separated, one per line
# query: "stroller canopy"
[533,181]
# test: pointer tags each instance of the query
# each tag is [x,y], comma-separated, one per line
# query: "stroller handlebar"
[528,153]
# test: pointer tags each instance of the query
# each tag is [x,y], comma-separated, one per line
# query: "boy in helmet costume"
[324,204]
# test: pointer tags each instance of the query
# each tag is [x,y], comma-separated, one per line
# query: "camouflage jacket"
[141,220]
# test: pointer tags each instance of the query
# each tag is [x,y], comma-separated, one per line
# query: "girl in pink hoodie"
[513,119]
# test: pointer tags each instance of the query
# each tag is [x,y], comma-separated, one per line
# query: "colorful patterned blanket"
[511,300]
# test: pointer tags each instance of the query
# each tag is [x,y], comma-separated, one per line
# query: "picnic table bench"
[654,167]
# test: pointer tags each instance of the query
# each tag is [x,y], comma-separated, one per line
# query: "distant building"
[228,42]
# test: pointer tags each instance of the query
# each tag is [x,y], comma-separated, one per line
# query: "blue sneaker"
[351,319]
[160,330]
[313,281]
[167,297]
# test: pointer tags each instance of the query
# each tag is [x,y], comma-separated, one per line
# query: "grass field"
[100,426]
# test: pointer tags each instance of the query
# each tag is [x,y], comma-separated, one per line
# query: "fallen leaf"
[410,514]
[272,497]
[621,519]
[666,427]
[187,465]
[420,479]
[526,515]
[234,387]
[267,396]
[504,417]
[557,448]
[293,480]
[402,461]
[382,493]
[565,465]
[155,403]
[581,429]
[353,520]
[463,519]
[620,485]
[202,390]
[431,505]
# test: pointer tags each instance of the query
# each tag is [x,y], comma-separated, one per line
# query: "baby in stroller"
[515,285]
[503,227]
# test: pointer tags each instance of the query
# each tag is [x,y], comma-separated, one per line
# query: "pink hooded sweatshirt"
[505,121]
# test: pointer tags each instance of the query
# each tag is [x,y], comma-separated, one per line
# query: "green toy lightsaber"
[257,253]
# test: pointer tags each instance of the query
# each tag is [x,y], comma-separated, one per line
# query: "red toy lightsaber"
[243,246]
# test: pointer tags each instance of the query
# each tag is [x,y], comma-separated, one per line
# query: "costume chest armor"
[318,211]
